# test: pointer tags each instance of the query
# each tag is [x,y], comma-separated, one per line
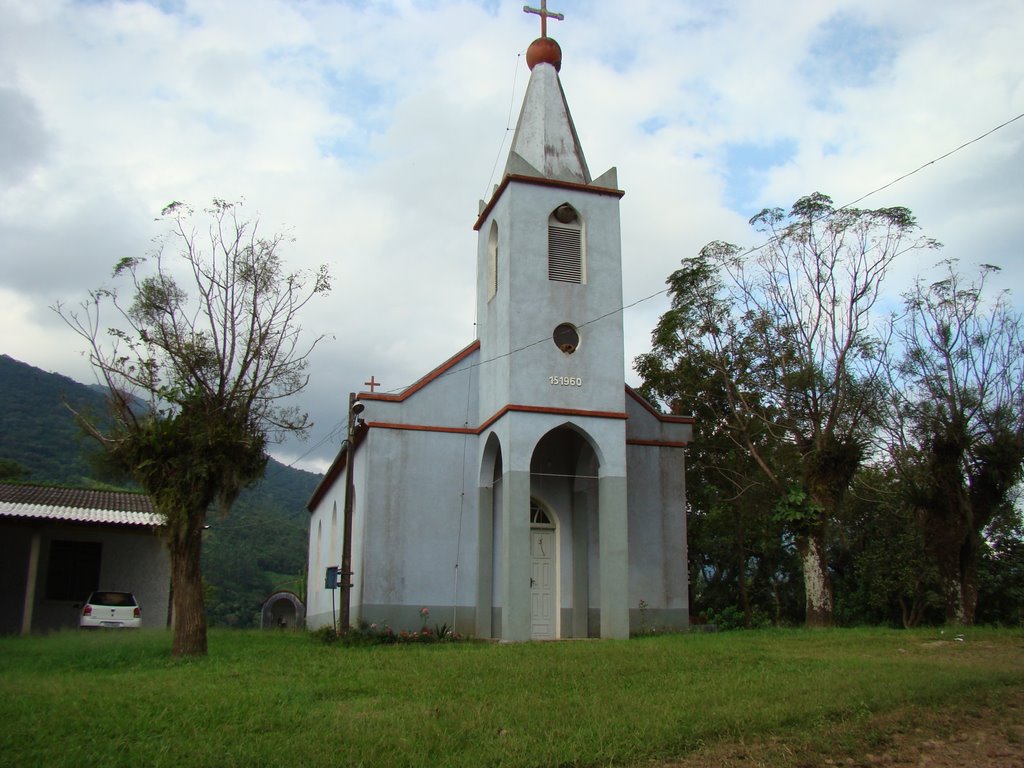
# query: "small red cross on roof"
[372,384]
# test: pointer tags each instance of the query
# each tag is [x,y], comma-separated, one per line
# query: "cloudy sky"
[369,131]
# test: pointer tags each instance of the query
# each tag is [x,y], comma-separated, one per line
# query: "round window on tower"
[566,338]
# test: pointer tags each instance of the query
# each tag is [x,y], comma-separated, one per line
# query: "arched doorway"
[564,487]
[517,543]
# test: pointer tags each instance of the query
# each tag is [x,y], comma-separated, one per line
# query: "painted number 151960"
[565,381]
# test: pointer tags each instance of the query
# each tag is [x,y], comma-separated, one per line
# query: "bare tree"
[956,429]
[787,330]
[197,382]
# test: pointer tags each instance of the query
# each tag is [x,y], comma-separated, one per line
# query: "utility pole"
[354,409]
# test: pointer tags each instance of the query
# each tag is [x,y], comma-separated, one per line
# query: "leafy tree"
[882,572]
[196,383]
[1001,571]
[785,329]
[957,422]
[738,566]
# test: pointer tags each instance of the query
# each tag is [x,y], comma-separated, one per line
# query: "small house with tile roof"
[59,544]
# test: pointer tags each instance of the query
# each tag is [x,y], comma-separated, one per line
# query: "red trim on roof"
[334,470]
[338,465]
[443,368]
[422,428]
[657,414]
[540,181]
[551,411]
[658,443]
[498,416]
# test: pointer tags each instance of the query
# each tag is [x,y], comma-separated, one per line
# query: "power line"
[932,162]
[665,290]
[747,252]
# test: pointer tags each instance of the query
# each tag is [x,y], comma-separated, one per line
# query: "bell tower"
[549,264]
[552,379]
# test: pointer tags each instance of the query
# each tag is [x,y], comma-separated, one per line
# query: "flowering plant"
[376,633]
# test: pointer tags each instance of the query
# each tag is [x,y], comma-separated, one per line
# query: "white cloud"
[370,130]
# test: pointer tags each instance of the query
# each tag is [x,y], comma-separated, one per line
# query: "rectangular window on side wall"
[74,569]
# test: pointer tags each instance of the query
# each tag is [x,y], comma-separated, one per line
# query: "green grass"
[269,699]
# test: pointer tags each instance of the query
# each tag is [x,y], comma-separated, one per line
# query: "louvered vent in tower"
[565,245]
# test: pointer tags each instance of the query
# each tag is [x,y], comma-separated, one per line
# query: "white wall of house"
[133,559]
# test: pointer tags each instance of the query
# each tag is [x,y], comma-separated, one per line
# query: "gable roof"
[79,505]
[665,417]
[334,471]
[423,381]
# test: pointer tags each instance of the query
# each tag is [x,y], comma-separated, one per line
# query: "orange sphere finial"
[544,49]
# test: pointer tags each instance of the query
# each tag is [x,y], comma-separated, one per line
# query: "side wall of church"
[658,572]
[325,533]
[658,578]
[405,528]
[418,545]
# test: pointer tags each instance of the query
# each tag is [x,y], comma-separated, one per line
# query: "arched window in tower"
[492,261]
[565,245]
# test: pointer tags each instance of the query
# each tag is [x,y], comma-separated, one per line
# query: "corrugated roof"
[81,505]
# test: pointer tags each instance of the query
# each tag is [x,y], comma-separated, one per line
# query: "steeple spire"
[545,142]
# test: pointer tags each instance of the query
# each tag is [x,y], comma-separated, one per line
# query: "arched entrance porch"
[564,480]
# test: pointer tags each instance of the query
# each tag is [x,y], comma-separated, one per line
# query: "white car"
[111,610]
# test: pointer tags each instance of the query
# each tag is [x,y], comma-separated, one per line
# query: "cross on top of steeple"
[544,13]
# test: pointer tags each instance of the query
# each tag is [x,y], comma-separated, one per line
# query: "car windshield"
[112,598]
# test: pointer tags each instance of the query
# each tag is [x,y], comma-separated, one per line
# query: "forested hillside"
[36,428]
[259,547]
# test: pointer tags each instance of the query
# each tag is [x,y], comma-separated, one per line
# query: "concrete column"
[30,584]
[580,565]
[614,551]
[484,561]
[515,578]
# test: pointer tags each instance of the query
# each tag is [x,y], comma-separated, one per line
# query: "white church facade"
[520,490]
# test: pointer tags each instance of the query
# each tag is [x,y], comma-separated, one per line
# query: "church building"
[520,490]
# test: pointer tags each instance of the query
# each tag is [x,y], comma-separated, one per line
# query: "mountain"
[259,547]
[36,428]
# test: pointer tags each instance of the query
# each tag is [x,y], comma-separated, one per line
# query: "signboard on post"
[331,577]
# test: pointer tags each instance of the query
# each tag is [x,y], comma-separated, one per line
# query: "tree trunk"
[187,589]
[912,610]
[951,576]
[817,582]
[969,576]
[776,602]
[741,572]
[952,592]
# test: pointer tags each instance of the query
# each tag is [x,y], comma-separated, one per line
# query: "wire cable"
[663,291]
[508,125]
[932,162]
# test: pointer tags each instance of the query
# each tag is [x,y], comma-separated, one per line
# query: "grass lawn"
[284,699]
